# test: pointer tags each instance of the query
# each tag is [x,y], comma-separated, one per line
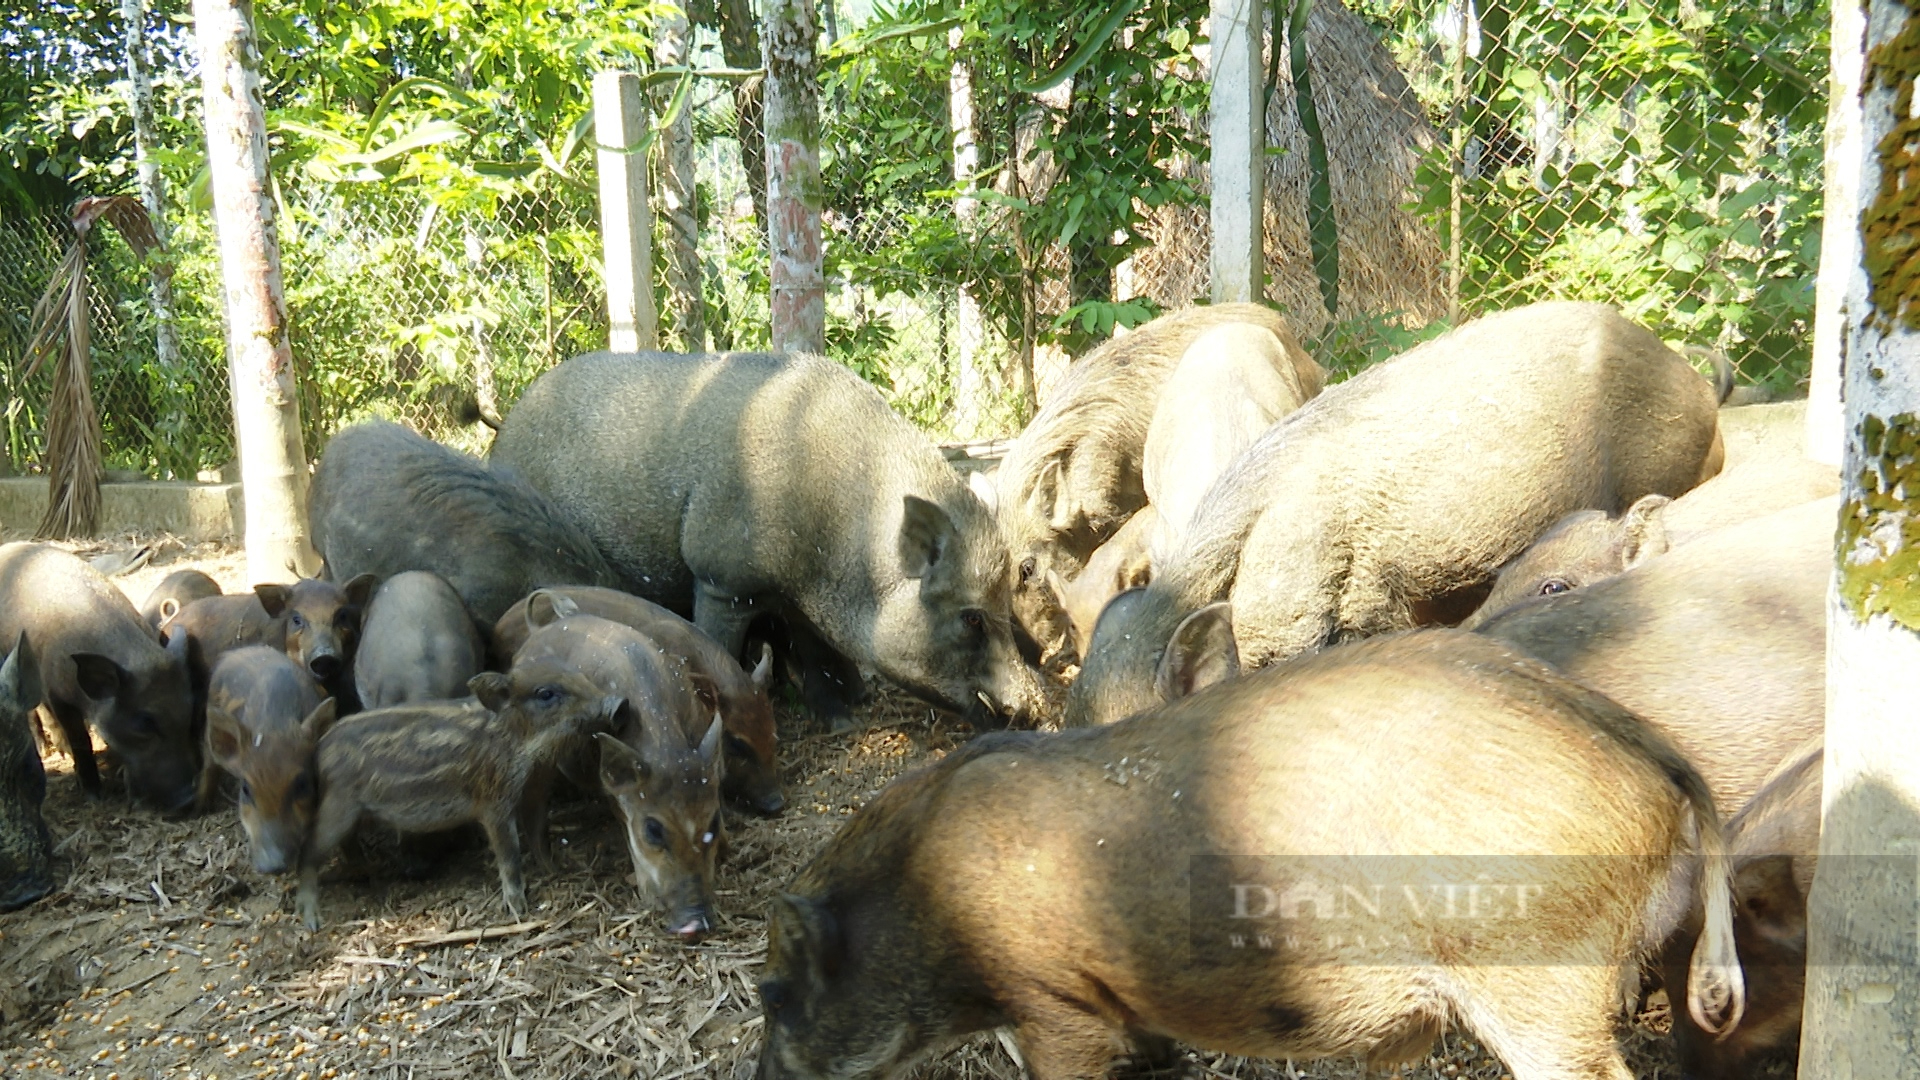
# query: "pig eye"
[973,620]
[656,833]
[547,695]
[773,996]
[737,746]
[1027,567]
[1553,586]
[246,793]
[145,726]
[296,621]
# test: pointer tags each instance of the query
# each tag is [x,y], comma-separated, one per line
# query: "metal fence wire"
[1482,154]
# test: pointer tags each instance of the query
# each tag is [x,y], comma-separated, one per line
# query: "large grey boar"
[1232,384]
[744,483]
[1774,845]
[26,848]
[1411,483]
[1073,476]
[102,665]
[1721,644]
[1264,869]
[386,500]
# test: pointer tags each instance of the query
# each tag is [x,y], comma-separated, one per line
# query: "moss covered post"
[1863,940]
[266,401]
[794,193]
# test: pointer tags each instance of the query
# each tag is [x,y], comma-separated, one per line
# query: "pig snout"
[770,804]
[172,799]
[691,926]
[324,664]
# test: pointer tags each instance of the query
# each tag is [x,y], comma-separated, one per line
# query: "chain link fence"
[1483,155]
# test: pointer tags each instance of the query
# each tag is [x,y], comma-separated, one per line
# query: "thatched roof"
[1376,132]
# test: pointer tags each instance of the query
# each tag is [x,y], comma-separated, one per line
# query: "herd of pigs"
[1534,620]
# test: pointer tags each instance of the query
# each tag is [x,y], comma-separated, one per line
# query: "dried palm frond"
[61,331]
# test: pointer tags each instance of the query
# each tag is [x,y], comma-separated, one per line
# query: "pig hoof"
[692,930]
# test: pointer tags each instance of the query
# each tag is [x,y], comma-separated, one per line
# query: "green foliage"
[1345,347]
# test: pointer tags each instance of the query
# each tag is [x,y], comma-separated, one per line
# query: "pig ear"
[762,674]
[984,490]
[1049,498]
[360,590]
[177,643]
[621,766]
[710,742]
[273,598]
[321,718]
[1135,575]
[20,676]
[1770,903]
[1644,530]
[226,739]
[546,607]
[99,678]
[1058,585]
[705,689]
[169,609]
[926,535]
[1202,652]
[491,688]
[809,928]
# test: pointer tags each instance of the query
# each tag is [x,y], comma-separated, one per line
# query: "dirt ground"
[165,955]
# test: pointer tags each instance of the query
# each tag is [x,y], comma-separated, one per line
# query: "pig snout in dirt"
[1345,520]
[1073,475]
[1584,547]
[1141,881]
[668,796]
[386,500]
[103,667]
[417,643]
[752,485]
[753,766]
[26,848]
[265,715]
[432,766]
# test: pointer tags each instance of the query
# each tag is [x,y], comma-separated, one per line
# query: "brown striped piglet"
[265,715]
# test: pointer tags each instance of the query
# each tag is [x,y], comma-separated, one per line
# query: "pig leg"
[504,835]
[1546,1021]
[723,616]
[332,823]
[73,725]
[533,816]
[1060,1041]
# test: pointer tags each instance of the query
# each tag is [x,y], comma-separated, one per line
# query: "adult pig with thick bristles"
[315,622]
[386,500]
[745,483]
[417,643]
[1074,475]
[176,591]
[665,785]
[432,766]
[1339,856]
[265,715]
[1231,385]
[753,765]
[1721,643]
[102,665]
[1123,562]
[1774,844]
[26,848]
[1410,483]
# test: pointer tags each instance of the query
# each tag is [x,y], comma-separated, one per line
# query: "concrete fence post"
[1237,126]
[626,222]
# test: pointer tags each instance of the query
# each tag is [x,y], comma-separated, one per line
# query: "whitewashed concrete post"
[1239,135]
[1839,234]
[969,384]
[626,222]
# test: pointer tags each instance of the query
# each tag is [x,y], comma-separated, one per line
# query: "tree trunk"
[266,401]
[794,193]
[153,186]
[672,35]
[1862,1015]
[740,44]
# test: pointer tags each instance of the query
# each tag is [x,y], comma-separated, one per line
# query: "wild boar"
[753,765]
[386,500]
[1122,563]
[1774,843]
[26,848]
[744,484]
[665,786]
[1584,547]
[1071,479]
[417,643]
[1721,644]
[102,665]
[315,622]
[1337,856]
[1346,516]
[1232,384]
[176,591]
[427,767]
[265,715]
